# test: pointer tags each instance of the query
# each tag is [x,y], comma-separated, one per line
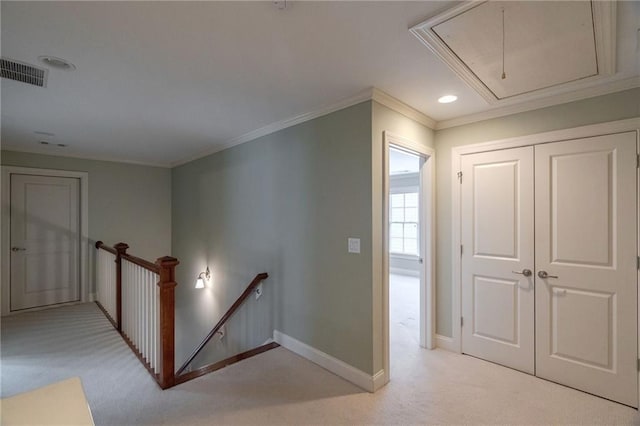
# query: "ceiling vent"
[25,73]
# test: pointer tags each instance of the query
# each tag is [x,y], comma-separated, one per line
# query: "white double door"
[549,273]
[45,240]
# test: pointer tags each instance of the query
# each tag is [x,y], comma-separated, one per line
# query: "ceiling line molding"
[563,98]
[402,108]
[366,95]
[363,96]
[36,151]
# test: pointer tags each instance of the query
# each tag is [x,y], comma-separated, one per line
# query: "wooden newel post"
[121,248]
[167,286]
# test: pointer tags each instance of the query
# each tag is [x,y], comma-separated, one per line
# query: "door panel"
[497,236]
[45,241]
[585,219]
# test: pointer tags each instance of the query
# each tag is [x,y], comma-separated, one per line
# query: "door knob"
[544,275]
[18,249]
[525,272]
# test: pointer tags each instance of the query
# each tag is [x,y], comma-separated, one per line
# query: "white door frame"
[427,242]
[7,171]
[454,343]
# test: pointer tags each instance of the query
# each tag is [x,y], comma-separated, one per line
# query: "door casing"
[7,171]
[454,343]
[427,242]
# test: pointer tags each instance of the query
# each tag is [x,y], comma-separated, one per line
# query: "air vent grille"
[25,73]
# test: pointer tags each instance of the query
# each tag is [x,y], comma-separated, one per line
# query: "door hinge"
[460,176]
[638,364]
[638,161]
[461,249]
[461,321]
[638,263]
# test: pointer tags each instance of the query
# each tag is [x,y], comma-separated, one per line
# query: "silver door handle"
[18,249]
[544,275]
[525,272]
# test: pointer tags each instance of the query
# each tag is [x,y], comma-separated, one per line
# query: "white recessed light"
[58,63]
[447,99]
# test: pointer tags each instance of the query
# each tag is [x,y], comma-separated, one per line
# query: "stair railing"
[138,297]
[181,378]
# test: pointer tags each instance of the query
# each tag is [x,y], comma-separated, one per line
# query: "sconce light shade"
[201,277]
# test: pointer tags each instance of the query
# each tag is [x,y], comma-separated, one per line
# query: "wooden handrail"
[250,288]
[165,268]
[150,266]
[103,246]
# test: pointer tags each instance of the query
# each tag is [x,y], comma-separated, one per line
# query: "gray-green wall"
[127,202]
[616,106]
[284,204]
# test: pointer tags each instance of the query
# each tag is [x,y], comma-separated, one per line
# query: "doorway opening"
[404,248]
[409,248]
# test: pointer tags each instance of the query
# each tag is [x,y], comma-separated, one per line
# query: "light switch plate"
[354,245]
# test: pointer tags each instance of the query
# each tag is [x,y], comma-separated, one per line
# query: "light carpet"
[279,387]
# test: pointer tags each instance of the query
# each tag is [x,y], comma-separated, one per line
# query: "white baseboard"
[446,343]
[334,365]
[379,380]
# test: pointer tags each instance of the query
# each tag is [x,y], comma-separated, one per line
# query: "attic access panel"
[547,45]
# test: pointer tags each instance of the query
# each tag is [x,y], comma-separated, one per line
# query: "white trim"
[427,237]
[446,343]
[557,99]
[44,151]
[366,95]
[339,368]
[402,108]
[85,294]
[604,26]
[632,124]
[638,231]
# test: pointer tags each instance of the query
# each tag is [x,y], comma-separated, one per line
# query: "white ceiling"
[159,82]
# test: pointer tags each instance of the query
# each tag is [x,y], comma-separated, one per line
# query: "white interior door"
[497,259]
[586,309]
[45,240]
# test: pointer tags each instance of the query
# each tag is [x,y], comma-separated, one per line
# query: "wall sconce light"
[201,277]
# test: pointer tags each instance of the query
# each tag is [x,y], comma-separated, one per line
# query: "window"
[404,223]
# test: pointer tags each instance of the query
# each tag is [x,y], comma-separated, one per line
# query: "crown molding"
[366,95]
[279,125]
[562,98]
[37,151]
[402,108]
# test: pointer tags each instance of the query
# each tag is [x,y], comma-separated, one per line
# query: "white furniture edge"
[370,383]
[454,343]
[85,287]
